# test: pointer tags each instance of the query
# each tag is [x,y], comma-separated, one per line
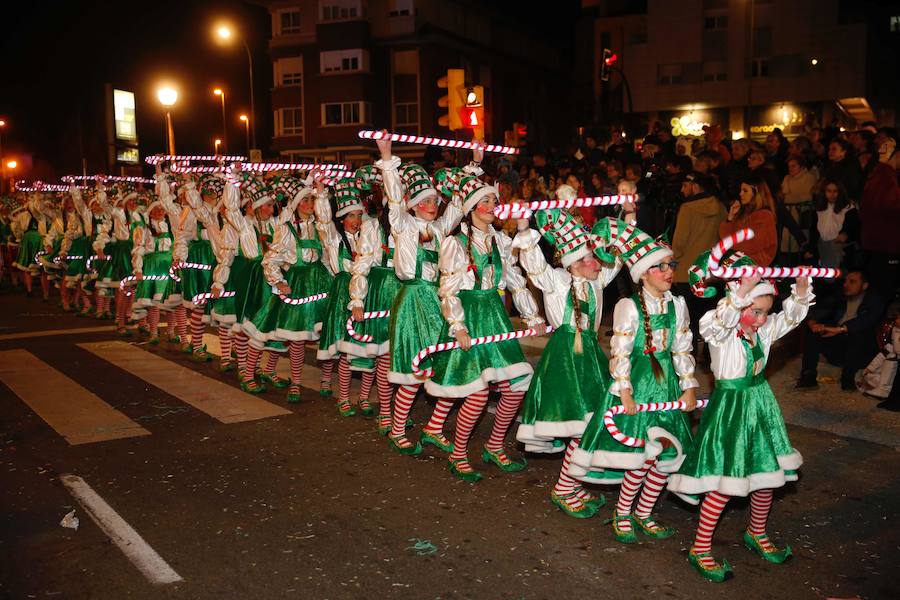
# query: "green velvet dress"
[566,387]
[197,281]
[383,290]
[742,443]
[157,263]
[667,433]
[459,373]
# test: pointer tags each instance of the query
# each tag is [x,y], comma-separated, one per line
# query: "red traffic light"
[611,59]
[522,131]
[469,117]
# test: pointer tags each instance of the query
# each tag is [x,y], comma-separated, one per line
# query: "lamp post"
[221,94]
[168,96]
[11,166]
[246,130]
[225,32]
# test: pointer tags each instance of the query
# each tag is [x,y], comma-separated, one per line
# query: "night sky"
[57,56]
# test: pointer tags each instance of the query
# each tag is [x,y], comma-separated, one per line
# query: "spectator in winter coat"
[834,231]
[755,209]
[843,167]
[796,196]
[879,214]
[736,170]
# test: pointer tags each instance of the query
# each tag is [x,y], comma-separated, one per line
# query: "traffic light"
[517,136]
[607,61]
[473,112]
[454,82]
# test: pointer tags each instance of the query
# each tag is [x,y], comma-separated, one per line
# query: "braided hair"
[339,224]
[649,348]
[577,346]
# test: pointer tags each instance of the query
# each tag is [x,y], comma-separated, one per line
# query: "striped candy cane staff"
[186,265]
[91,259]
[649,407]
[775,272]
[125,284]
[361,337]
[488,339]
[201,299]
[158,158]
[367,134]
[523,210]
[727,243]
[306,300]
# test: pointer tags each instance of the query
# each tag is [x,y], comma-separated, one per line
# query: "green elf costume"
[651,356]
[741,447]
[151,256]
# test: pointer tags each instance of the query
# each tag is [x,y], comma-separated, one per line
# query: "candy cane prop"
[293,167]
[488,339]
[297,301]
[362,337]
[158,158]
[201,299]
[727,243]
[186,265]
[649,407]
[91,260]
[124,285]
[524,210]
[368,134]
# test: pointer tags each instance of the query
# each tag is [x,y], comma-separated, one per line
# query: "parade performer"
[95,219]
[151,255]
[57,211]
[415,321]
[75,245]
[741,447]
[373,288]
[124,218]
[651,362]
[477,266]
[573,373]
[183,228]
[340,238]
[29,228]
[293,266]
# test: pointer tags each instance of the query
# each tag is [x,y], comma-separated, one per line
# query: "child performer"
[573,373]
[651,362]
[415,321]
[116,264]
[741,447]
[476,267]
[75,245]
[30,226]
[151,255]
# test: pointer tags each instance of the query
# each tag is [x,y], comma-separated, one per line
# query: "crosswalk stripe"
[219,400]
[75,413]
[51,332]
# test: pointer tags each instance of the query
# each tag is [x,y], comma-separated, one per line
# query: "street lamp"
[168,96]
[216,145]
[246,130]
[221,94]
[11,166]
[225,32]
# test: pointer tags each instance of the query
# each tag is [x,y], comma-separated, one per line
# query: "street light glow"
[2,123]
[814,62]
[243,118]
[167,95]
[217,92]
[224,32]
[12,164]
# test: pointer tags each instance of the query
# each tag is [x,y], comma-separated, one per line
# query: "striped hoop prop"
[649,407]
[775,272]
[298,301]
[524,210]
[186,265]
[293,167]
[201,299]
[124,285]
[365,338]
[158,158]
[368,134]
[488,339]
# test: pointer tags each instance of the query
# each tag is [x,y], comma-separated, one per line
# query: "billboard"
[124,116]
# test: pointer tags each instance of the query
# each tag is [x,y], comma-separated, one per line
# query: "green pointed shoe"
[586,511]
[365,408]
[652,529]
[226,366]
[274,380]
[382,425]
[345,409]
[625,536]
[153,340]
[776,556]
[325,392]
[411,450]
[501,460]
[201,355]
[293,396]
[437,440]
[718,574]
[597,502]
[252,387]
[470,476]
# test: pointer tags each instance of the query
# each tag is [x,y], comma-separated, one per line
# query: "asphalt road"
[312,505]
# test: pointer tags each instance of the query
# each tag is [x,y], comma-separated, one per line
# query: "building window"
[400,8]
[670,74]
[339,10]
[344,113]
[714,71]
[343,61]
[895,24]
[289,22]
[289,121]
[406,113]
[289,71]
[759,67]
[713,22]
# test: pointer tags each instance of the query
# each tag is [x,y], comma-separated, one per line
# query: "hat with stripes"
[570,239]
[346,196]
[418,184]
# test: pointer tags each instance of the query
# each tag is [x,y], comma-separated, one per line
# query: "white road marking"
[129,541]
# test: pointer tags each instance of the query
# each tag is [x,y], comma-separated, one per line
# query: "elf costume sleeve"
[625,323]
[544,277]
[682,359]
[794,310]
[328,233]
[717,325]
[141,237]
[453,264]
[282,251]
[367,252]
[514,281]
[225,249]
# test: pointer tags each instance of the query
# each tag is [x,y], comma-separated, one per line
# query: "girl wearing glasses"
[651,362]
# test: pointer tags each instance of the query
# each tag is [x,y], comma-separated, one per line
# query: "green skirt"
[75,268]
[599,450]
[153,293]
[335,338]
[459,373]
[197,281]
[383,289]
[31,244]
[415,323]
[227,310]
[117,266]
[564,392]
[277,320]
[741,445]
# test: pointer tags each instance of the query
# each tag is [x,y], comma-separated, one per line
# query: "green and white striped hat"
[211,184]
[285,188]
[642,252]
[447,179]
[346,196]
[473,191]
[698,275]
[367,177]
[417,183]
[256,191]
[571,240]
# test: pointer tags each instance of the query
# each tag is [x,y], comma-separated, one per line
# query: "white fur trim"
[477,196]
[424,194]
[584,461]
[488,376]
[737,486]
[574,256]
[348,209]
[653,258]
[544,432]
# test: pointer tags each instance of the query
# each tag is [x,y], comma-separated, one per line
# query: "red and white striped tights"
[653,480]
[403,402]
[327,374]
[296,355]
[711,511]
[566,485]
[471,410]
[271,364]
[225,344]
[344,379]
[123,308]
[385,389]
[197,330]
[181,328]
[153,320]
